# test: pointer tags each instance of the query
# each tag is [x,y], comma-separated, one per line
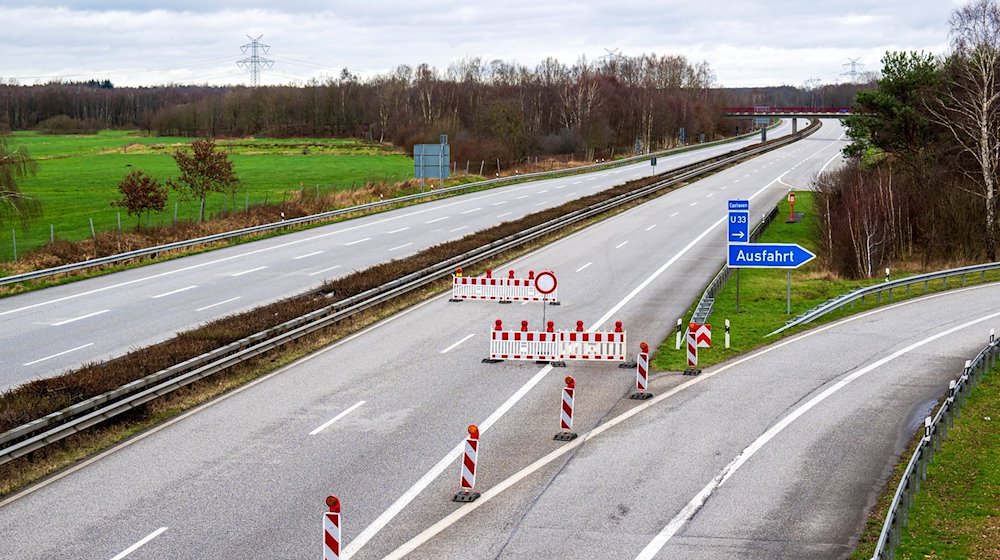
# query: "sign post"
[545,284]
[740,253]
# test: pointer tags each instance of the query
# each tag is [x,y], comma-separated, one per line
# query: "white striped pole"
[469,460]
[642,373]
[678,334]
[692,351]
[727,333]
[331,530]
[566,411]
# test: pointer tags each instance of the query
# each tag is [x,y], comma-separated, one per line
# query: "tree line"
[490,110]
[925,156]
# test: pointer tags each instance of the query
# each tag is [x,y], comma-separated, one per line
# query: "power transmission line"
[254,62]
[855,69]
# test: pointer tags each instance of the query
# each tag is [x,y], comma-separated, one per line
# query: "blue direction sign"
[768,255]
[739,221]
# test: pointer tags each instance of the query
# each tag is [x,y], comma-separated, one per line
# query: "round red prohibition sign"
[545,282]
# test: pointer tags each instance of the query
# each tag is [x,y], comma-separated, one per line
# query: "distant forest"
[489,109]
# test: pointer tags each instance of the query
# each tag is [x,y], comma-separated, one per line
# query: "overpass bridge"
[789,112]
[794,113]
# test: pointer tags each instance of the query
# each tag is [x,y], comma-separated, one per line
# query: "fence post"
[13,239]
[120,221]
[92,232]
[52,233]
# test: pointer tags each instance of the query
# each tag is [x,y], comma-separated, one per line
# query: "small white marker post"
[727,333]
[678,343]
[886,274]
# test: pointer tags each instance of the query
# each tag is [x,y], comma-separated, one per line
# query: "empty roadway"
[247,474]
[51,330]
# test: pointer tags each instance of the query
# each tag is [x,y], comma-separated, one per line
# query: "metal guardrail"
[935,430]
[704,307]
[56,426]
[878,289]
[324,216]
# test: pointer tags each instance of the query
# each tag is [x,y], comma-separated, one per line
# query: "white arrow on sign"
[739,235]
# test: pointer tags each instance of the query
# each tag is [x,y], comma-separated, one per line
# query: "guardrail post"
[929,440]
[945,285]
[925,285]
[908,290]
[951,402]
[963,279]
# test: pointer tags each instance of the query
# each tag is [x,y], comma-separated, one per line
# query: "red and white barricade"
[331,530]
[499,289]
[593,346]
[523,344]
[551,346]
[470,458]
[694,329]
[478,287]
[566,411]
[703,335]
[642,373]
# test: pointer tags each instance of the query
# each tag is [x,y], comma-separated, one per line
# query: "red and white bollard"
[642,373]
[469,460]
[692,351]
[566,411]
[331,530]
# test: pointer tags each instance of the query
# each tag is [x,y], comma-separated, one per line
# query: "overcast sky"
[746,42]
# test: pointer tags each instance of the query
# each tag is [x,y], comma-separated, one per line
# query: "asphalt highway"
[48,331]
[777,455]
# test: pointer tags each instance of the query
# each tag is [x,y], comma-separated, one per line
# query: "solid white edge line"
[330,422]
[139,544]
[59,354]
[387,516]
[486,496]
[692,507]
[247,271]
[453,346]
[218,304]
[82,317]
[174,292]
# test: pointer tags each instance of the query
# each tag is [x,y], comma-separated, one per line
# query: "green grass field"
[78,176]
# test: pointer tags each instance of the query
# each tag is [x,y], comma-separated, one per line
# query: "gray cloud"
[746,42]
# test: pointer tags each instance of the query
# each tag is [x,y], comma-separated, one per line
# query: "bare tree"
[970,106]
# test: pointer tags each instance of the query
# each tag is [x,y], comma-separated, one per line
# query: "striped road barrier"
[557,347]
[642,373]
[469,460]
[566,411]
[692,350]
[502,290]
[331,530]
